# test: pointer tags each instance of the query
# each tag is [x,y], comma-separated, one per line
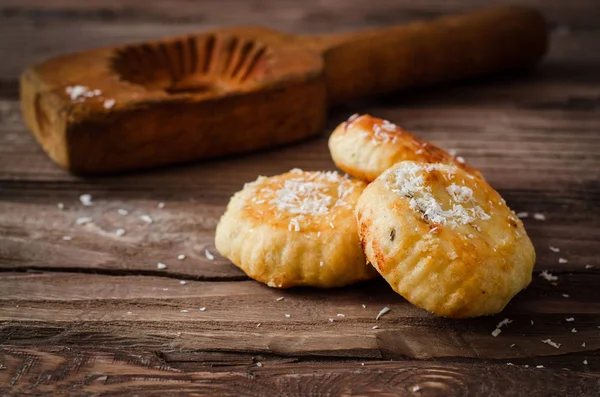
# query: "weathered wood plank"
[579,12]
[65,371]
[146,312]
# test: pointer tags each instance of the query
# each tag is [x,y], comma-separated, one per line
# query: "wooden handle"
[424,53]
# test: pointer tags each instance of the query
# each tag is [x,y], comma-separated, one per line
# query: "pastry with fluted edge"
[444,239]
[365,146]
[296,229]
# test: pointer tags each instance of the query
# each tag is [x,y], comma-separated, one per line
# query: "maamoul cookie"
[365,146]
[295,229]
[444,239]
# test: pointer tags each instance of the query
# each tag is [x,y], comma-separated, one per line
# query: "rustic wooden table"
[85,312]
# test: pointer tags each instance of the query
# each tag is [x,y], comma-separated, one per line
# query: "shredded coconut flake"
[375,327]
[86,199]
[570,319]
[182,282]
[585,362]
[589,266]
[180,257]
[364,306]
[539,366]
[382,312]
[341,315]
[562,260]
[258,325]
[554,249]
[496,332]
[538,216]
[331,320]
[203,309]
[583,344]
[460,159]
[551,343]
[161,205]
[122,211]
[67,238]
[522,215]
[208,255]
[83,220]
[109,103]
[504,322]
[279,299]
[548,276]
[161,266]
[408,181]
[185,311]
[120,232]
[259,364]
[565,295]
[60,206]
[288,315]
[146,218]
[321,264]
[574,330]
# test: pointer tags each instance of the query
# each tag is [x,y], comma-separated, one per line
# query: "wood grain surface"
[93,315]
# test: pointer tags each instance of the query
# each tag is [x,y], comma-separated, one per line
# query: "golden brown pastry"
[365,146]
[444,239]
[295,229]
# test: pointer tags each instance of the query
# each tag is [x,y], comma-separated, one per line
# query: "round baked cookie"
[444,240]
[365,146]
[295,229]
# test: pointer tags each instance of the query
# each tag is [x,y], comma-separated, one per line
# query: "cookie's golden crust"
[295,229]
[365,146]
[444,240]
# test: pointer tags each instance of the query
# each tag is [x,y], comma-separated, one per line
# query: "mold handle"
[424,53]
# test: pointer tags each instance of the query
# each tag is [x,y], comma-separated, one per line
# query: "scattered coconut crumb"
[288,315]
[565,295]
[120,232]
[181,257]
[129,312]
[86,199]
[509,364]
[122,211]
[375,327]
[321,264]
[585,362]
[161,205]
[531,321]
[182,282]
[60,206]
[363,364]
[146,218]
[83,220]
[364,306]
[109,103]
[331,320]
[416,388]
[562,260]
[259,364]
[67,238]
[513,345]
[570,319]
[184,311]
[574,330]
[382,312]
[551,343]
[554,249]
[589,266]
[161,266]
[208,255]
[522,215]
[496,332]
[548,276]
[538,216]
[203,309]
[583,344]
[504,322]
[341,315]
[460,159]
[331,225]
[539,366]
[258,325]
[279,299]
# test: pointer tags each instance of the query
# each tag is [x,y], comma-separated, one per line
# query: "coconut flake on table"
[208,255]
[182,282]
[203,309]
[67,238]
[496,332]
[522,215]
[287,315]
[83,220]
[120,232]
[279,299]
[554,249]
[161,205]
[548,276]
[382,312]
[562,260]
[551,343]
[589,266]
[86,200]
[60,206]
[122,211]
[146,218]
[504,322]
[161,266]
[570,319]
[539,216]
[109,103]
